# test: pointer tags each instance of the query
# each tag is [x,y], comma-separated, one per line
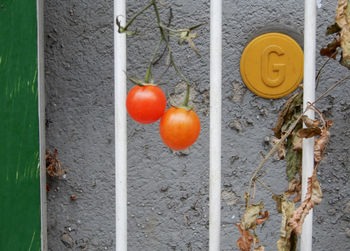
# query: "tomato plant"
[146,104]
[179,128]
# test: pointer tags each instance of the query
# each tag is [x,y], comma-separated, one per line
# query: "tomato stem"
[187,97]
[137,14]
[149,69]
[164,37]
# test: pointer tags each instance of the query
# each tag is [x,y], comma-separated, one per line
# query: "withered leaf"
[313,197]
[334,28]
[279,198]
[289,113]
[188,37]
[316,192]
[246,240]
[53,165]
[281,149]
[260,248]
[310,122]
[309,132]
[321,143]
[297,144]
[345,44]
[331,50]
[294,159]
[250,216]
[294,186]
[288,238]
[343,20]
[264,216]
[341,17]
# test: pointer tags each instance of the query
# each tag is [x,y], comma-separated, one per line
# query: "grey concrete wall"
[168,191]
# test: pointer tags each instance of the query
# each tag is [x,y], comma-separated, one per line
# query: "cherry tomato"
[146,104]
[179,128]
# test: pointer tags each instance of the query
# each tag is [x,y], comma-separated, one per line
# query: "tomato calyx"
[139,82]
[186,107]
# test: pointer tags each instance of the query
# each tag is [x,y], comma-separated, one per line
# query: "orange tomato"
[179,128]
[146,104]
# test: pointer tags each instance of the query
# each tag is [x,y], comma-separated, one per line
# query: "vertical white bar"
[120,128]
[41,106]
[215,124]
[309,96]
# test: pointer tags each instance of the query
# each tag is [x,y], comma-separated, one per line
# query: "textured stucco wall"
[168,191]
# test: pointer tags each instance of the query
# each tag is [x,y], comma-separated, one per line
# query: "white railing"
[215,122]
[120,128]
[309,96]
[215,125]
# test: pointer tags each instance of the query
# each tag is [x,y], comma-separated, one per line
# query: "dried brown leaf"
[260,248]
[341,17]
[288,239]
[264,216]
[53,165]
[313,197]
[331,50]
[294,186]
[334,28]
[343,20]
[321,143]
[250,216]
[289,113]
[345,44]
[278,198]
[310,122]
[246,240]
[281,152]
[309,132]
[297,142]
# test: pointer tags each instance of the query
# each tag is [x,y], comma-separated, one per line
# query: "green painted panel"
[19,127]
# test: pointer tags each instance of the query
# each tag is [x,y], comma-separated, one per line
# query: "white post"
[309,96]
[215,124]
[120,128]
[41,100]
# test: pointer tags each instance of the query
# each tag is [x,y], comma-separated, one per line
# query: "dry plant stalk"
[292,219]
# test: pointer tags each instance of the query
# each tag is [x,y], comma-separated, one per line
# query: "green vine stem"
[285,136]
[171,58]
[187,97]
[138,14]
[149,69]
[163,37]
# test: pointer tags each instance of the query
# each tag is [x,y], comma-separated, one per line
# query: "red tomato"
[146,104]
[179,128]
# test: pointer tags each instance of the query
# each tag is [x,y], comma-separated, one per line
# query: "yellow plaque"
[272,65]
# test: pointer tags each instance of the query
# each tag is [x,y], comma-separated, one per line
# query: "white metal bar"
[120,128]
[41,107]
[215,124]
[309,96]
